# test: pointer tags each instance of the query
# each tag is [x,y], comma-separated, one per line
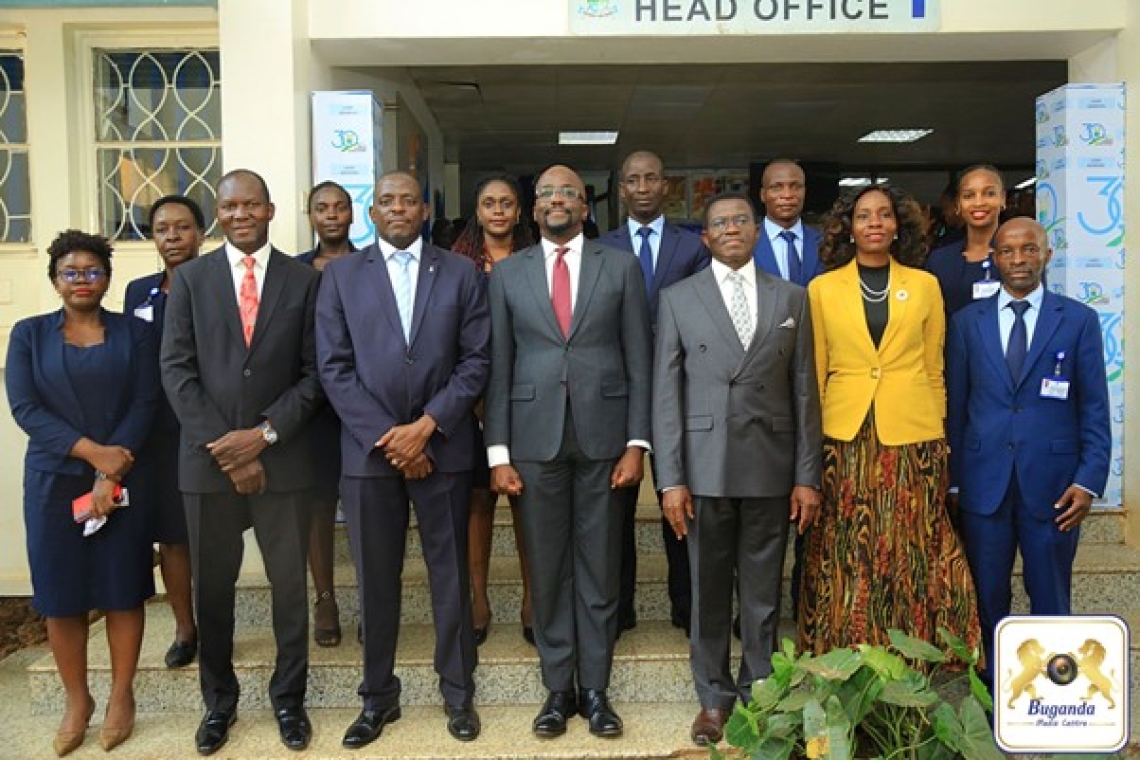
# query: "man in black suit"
[402,340]
[239,368]
[668,254]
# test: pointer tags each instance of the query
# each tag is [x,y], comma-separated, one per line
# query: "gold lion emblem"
[1033,658]
[1089,659]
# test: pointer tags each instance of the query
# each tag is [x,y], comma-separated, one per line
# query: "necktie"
[646,256]
[738,309]
[403,289]
[795,269]
[560,291]
[247,300]
[1018,345]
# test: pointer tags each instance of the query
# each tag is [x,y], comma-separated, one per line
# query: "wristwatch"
[268,433]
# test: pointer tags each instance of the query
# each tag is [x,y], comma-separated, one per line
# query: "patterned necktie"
[1018,345]
[247,300]
[739,311]
[646,256]
[403,289]
[795,268]
[560,291]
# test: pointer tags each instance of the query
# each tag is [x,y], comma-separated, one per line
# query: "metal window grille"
[15,193]
[157,132]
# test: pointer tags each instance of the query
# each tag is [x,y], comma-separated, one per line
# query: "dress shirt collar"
[748,272]
[575,246]
[657,225]
[1035,298]
[236,257]
[388,250]
[773,230]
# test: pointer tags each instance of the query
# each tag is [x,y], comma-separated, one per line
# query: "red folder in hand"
[81,506]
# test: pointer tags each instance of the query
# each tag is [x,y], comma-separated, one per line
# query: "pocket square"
[790,323]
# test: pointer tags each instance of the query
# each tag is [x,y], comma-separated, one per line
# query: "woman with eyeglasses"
[83,384]
[494,232]
[883,554]
[178,227]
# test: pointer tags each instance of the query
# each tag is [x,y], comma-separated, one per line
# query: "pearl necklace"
[871,295]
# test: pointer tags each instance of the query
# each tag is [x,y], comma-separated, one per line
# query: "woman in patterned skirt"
[883,553]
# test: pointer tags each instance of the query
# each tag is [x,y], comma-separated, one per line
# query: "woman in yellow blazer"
[883,553]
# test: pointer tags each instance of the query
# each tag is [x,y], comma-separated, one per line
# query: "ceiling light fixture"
[895,135]
[1025,183]
[596,137]
[854,181]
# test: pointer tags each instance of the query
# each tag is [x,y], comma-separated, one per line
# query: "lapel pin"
[431,269]
[902,295]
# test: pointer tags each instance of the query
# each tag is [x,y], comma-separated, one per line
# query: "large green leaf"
[766,695]
[774,749]
[908,692]
[887,664]
[795,701]
[838,731]
[785,725]
[980,692]
[959,647]
[742,729]
[858,693]
[947,727]
[977,736]
[915,649]
[838,664]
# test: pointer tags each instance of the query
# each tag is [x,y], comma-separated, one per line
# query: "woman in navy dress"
[178,227]
[330,215]
[494,232]
[964,268]
[83,384]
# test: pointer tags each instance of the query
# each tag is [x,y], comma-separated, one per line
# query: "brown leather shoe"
[708,727]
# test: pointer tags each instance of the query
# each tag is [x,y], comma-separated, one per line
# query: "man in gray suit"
[738,442]
[567,422]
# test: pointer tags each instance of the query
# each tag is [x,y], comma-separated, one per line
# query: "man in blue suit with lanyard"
[668,254]
[1028,426]
[786,248]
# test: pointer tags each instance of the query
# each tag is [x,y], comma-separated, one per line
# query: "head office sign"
[1061,684]
[714,17]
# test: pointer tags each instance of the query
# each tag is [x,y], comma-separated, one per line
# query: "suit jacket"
[999,426]
[216,384]
[902,378]
[44,402]
[810,266]
[375,380]
[139,292]
[730,422]
[602,369]
[681,254]
[955,276]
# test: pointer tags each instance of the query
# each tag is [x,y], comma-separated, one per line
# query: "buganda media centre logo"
[1061,684]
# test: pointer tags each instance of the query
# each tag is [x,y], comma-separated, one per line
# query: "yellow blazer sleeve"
[935,340]
[818,321]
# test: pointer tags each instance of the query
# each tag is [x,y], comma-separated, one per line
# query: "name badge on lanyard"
[986,287]
[1056,387]
[145,312]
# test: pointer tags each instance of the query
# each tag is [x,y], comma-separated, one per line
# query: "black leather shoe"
[181,653]
[594,706]
[462,722]
[551,720]
[368,726]
[295,728]
[213,731]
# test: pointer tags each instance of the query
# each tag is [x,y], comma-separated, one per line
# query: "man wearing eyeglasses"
[738,442]
[567,423]
[667,254]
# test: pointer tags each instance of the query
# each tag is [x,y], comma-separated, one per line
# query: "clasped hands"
[113,462]
[403,447]
[237,454]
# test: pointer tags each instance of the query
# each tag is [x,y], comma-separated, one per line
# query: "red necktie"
[560,291]
[248,300]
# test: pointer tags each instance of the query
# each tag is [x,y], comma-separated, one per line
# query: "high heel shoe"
[330,636]
[66,740]
[111,737]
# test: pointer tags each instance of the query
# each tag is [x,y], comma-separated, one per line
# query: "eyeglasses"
[73,276]
[566,193]
[722,223]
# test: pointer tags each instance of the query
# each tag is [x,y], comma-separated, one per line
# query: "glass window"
[157,131]
[15,195]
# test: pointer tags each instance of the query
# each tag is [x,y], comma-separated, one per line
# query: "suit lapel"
[897,304]
[708,291]
[275,279]
[429,266]
[852,299]
[226,298]
[376,269]
[1048,321]
[989,331]
[59,376]
[763,255]
[536,276]
[809,252]
[665,256]
[593,259]
[765,314]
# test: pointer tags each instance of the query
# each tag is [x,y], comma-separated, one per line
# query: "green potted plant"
[869,702]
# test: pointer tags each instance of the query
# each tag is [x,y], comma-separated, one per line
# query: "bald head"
[560,204]
[783,190]
[643,187]
[1021,253]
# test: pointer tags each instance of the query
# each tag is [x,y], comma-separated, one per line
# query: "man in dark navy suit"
[668,254]
[403,333]
[1028,427]
[787,248]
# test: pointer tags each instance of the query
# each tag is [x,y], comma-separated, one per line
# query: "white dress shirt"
[394,267]
[780,246]
[1006,315]
[748,273]
[237,267]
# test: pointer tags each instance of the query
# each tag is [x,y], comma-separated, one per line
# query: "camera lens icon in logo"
[1061,669]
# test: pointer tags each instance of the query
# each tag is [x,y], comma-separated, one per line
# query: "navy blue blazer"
[681,254]
[956,276]
[376,380]
[43,400]
[308,257]
[997,426]
[140,292]
[810,267]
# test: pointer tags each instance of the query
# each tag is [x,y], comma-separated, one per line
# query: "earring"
[851,239]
